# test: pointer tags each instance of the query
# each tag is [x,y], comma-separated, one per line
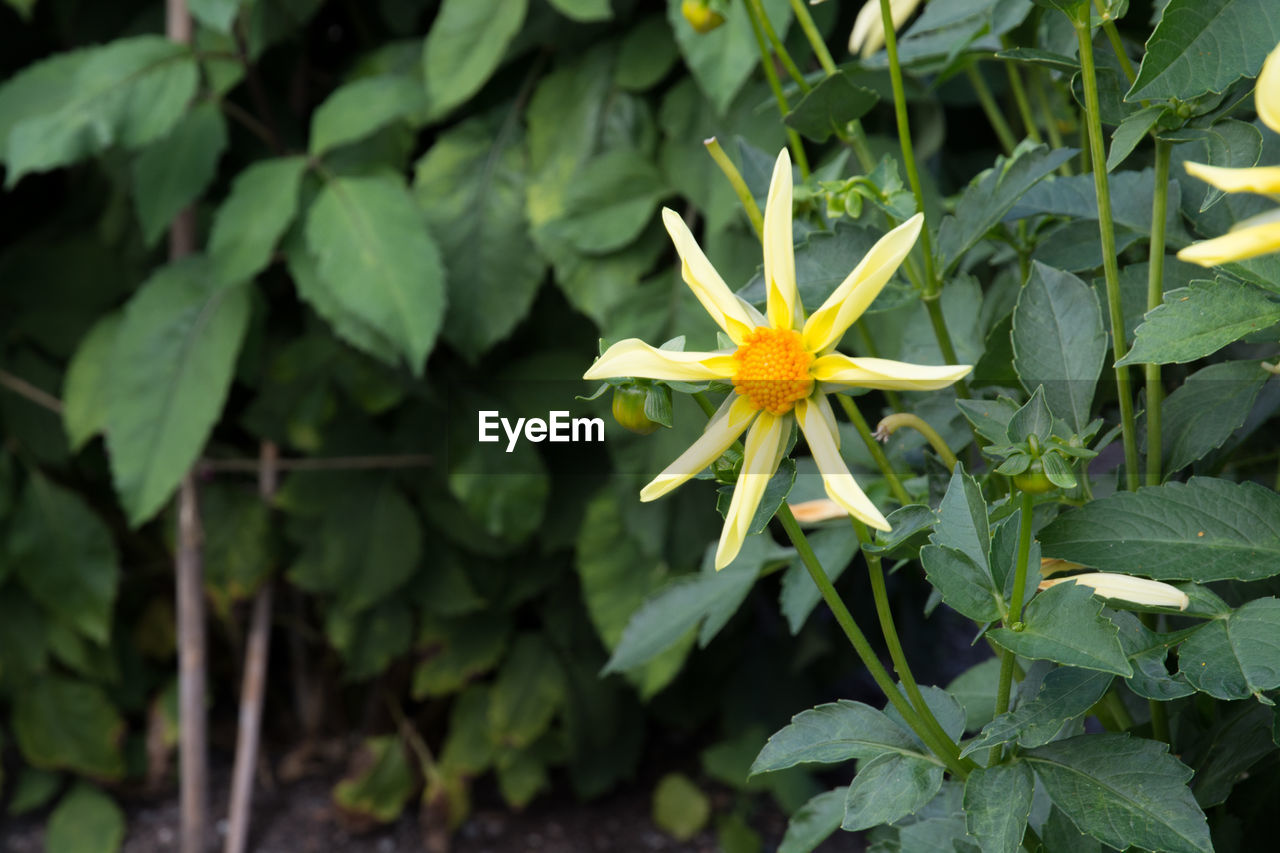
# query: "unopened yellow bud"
[1127,588]
[701,16]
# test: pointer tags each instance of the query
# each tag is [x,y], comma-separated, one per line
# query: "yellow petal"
[1267,97]
[885,374]
[868,30]
[821,509]
[729,311]
[763,452]
[846,304]
[1127,588]
[1234,246]
[823,402]
[779,251]
[1260,179]
[734,416]
[839,483]
[1054,565]
[633,357]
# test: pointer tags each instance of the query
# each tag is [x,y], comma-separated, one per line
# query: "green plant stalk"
[739,185]
[898,420]
[1050,122]
[815,38]
[1014,615]
[1113,36]
[995,118]
[1020,99]
[874,448]
[771,74]
[1098,159]
[889,630]
[1155,296]
[779,48]
[944,749]
[933,307]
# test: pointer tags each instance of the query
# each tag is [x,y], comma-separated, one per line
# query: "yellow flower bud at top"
[701,16]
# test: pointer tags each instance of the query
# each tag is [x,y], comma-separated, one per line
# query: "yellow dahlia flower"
[1257,235]
[783,365]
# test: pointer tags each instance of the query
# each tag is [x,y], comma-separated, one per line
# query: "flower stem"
[1113,36]
[1098,161]
[891,424]
[739,185]
[944,749]
[1050,120]
[1014,613]
[779,48]
[1155,296]
[1019,92]
[992,110]
[815,38]
[755,14]
[874,448]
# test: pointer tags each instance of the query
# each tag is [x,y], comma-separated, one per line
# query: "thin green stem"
[1019,93]
[891,424]
[1098,158]
[805,20]
[874,448]
[944,749]
[995,118]
[739,185]
[779,48]
[1113,36]
[933,307]
[1050,120]
[754,14]
[1155,296]
[1014,614]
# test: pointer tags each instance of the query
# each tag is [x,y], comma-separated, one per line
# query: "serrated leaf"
[262,202]
[1236,657]
[1033,418]
[997,803]
[723,59]
[170,373]
[1207,408]
[609,203]
[174,171]
[1202,530]
[381,788]
[1124,791]
[1066,694]
[1204,46]
[1058,342]
[1147,652]
[86,393]
[378,261]
[990,418]
[962,519]
[1132,131]
[471,185]
[834,733]
[829,106]
[465,46]
[360,108]
[889,787]
[85,821]
[527,693]
[963,584]
[1064,624]
[1201,319]
[128,92]
[814,822]
[61,723]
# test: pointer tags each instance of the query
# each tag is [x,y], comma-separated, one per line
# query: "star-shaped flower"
[783,366]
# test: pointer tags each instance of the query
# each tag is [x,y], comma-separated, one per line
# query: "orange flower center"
[773,369]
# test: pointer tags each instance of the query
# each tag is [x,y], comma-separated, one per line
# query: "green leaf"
[990,418]
[380,790]
[521,775]
[85,392]
[61,723]
[22,7]
[646,54]
[723,59]
[129,92]
[33,789]
[471,185]
[1124,791]
[361,107]
[1147,652]
[261,205]
[465,46]
[679,806]
[172,172]
[1034,418]
[1240,737]
[1058,342]
[997,803]
[991,195]
[911,525]
[1202,530]
[1230,144]
[170,373]
[834,733]
[304,269]
[584,10]
[889,787]
[378,261]
[65,557]
[814,822]
[1204,46]
[1132,131]
[1076,196]
[238,538]
[1236,657]
[456,651]
[369,640]
[609,203]
[1207,408]
[85,821]
[834,548]
[216,14]
[1064,624]
[962,519]
[529,689]
[1201,319]
[829,106]
[963,584]
[975,690]
[468,747]
[1066,694]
